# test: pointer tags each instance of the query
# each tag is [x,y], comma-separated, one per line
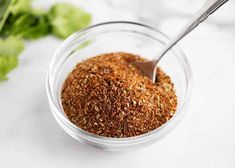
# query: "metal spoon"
[149,67]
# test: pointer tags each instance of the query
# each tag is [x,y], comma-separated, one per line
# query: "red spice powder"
[108,96]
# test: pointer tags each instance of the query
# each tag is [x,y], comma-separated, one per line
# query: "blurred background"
[29,136]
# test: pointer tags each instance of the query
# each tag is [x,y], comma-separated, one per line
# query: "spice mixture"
[108,96]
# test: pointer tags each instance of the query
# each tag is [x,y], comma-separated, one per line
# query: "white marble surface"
[30,137]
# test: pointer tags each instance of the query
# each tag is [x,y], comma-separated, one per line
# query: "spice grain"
[108,96]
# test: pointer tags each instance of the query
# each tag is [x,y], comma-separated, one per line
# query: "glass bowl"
[114,37]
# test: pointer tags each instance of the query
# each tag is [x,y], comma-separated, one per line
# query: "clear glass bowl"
[113,37]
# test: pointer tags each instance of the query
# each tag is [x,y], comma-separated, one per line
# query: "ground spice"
[108,96]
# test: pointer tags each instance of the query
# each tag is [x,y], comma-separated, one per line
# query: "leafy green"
[25,22]
[7,64]
[4,4]
[18,20]
[4,11]
[13,7]
[21,6]
[31,25]
[22,20]
[10,48]
[66,19]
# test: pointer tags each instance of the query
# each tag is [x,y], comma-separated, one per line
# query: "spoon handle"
[208,8]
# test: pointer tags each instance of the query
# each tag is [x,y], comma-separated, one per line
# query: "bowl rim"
[102,139]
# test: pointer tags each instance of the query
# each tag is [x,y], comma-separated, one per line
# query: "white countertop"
[30,137]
